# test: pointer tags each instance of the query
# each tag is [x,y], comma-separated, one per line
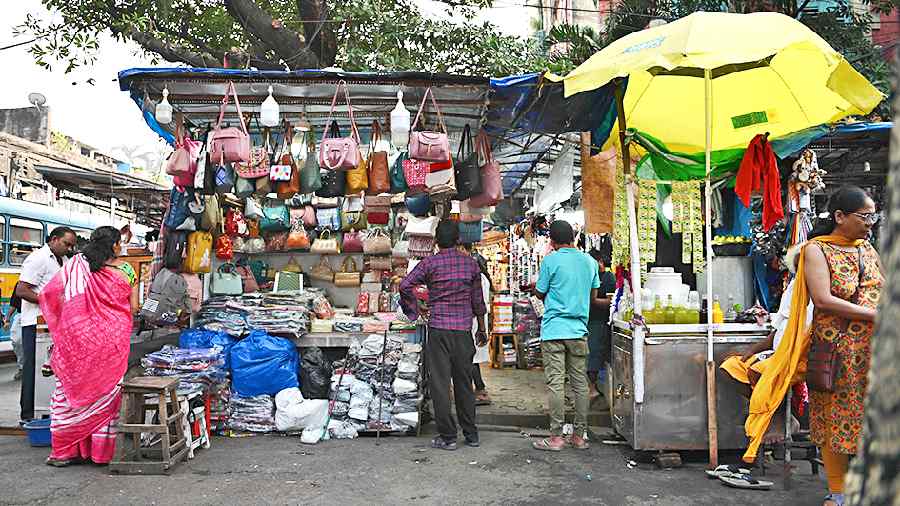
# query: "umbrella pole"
[637,331]
[711,407]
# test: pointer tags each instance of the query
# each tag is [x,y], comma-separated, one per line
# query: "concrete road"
[280,470]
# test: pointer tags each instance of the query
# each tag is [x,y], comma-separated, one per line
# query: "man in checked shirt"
[453,280]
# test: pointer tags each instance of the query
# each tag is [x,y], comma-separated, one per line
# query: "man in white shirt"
[37,270]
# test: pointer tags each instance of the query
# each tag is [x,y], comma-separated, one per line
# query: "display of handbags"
[378,171]
[468,173]
[422,226]
[226,281]
[349,275]
[276,242]
[276,217]
[352,242]
[329,218]
[322,271]
[358,178]
[376,242]
[420,246]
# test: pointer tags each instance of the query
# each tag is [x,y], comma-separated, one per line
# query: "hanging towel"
[759,171]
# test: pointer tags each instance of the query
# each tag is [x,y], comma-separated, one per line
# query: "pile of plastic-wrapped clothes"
[276,313]
[379,388]
[198,369]
[527,325]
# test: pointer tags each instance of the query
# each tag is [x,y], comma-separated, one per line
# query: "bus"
[24,227]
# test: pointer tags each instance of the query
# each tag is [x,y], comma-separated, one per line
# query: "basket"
[731,250]
[38,432]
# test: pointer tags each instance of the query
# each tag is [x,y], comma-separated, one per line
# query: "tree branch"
[320,36]
[172,52]
[287,44]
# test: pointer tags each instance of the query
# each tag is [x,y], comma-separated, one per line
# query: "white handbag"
[252,209]
[422,226]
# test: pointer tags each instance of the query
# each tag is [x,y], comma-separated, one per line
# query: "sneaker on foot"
[441,444]
[578,442]
[553,444]
[473,441]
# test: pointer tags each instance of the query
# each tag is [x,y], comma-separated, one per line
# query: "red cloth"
[759,170]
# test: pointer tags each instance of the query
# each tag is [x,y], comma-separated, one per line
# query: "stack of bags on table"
[196,368]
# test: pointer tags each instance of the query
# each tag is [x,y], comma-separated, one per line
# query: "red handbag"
[415,172]
[429,146]
[276,242]
[362,303]
[297,240]
[224,248]
[378,217]
[235,224]
[352,242]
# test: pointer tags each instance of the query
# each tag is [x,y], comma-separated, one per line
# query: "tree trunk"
[874,477]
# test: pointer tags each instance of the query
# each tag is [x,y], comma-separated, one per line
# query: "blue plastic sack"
[202,338]
[262,364]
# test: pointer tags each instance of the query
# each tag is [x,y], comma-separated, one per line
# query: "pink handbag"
[491,181]
[182,164]
[340,153]
[415,172]
[429,146]
[309,216]
[257,167]
[352,242]
[232,143]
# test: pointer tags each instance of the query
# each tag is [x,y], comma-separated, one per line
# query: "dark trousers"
[476,377]
[449,357]
[26,398]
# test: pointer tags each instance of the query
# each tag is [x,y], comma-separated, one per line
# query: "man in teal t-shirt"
[567,283]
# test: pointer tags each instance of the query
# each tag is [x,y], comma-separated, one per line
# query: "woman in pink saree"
[88,307]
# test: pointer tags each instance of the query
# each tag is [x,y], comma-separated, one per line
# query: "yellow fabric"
[806,83]
[738,369]
[836,465]
[781,369]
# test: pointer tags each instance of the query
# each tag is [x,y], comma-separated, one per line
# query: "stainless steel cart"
[673,414]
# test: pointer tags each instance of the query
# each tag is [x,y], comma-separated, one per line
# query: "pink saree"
[89,317]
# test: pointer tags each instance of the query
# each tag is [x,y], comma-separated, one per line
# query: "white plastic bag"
[339,429]
[402,386]
[560,184]
[293,413]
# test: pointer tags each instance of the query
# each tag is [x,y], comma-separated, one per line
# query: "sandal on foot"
[549,444]
[726,470]
[58,463]
[746,481]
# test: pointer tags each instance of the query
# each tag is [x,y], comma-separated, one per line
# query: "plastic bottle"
[704,311]
[669,312]
[400,124]
[730,313]
[718,316]
[694,309]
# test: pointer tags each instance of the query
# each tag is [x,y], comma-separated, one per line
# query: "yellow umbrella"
[767,71]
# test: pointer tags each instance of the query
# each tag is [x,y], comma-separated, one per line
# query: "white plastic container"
[269,111]
[664,281]
[400,124]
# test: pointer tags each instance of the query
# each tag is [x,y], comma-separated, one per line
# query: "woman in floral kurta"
[844,279]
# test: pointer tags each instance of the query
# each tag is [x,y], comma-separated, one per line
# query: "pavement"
[401,470]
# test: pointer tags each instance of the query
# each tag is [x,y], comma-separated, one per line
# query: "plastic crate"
[38,432]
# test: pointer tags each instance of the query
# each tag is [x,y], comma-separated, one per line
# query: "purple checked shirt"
[454,290]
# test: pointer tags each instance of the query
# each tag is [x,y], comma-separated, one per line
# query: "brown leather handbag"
[291,187]
[379,174]
[824,359]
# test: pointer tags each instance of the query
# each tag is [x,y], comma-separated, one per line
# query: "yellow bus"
[24,227]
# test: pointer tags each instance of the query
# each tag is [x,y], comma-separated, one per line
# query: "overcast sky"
[101,115]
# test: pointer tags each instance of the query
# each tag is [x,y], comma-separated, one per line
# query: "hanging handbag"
[358,178]
[309,217]
[401,248]
[340,153]
[278,173]
[470,232]
[420,246]
[296,219]
[276,218]
[263,187]
[244,187]
[422,226]
[310,177]
[415,171]
[252,209]
[329,218]
[235,224]
[224,248]
[352,242]
[182,163]
[362,303]
[238,244]
[210,219]
[224,178]
[418,205]
[380,263]
[255,245]
[353,220]
[468,174]
[376,242]
[297,240]
[398,178]
[288,188]
[379,174]
[199,253]
[248,280]
[258,165]
[179,207]
[322,271]
[325,244]
[429,145]
[379,201]
[378,209]
[824,359]
[467,213]
[491,180]
[252,227]
[349,275]
[226,281]
[441,185]
[276,242]
[326,202]
[230,144]
[200,179]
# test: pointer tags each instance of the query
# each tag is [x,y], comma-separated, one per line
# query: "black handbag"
[824,358]
[468,174]
[334,182]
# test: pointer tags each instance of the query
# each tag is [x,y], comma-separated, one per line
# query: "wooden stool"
[130,456]
[495,351]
